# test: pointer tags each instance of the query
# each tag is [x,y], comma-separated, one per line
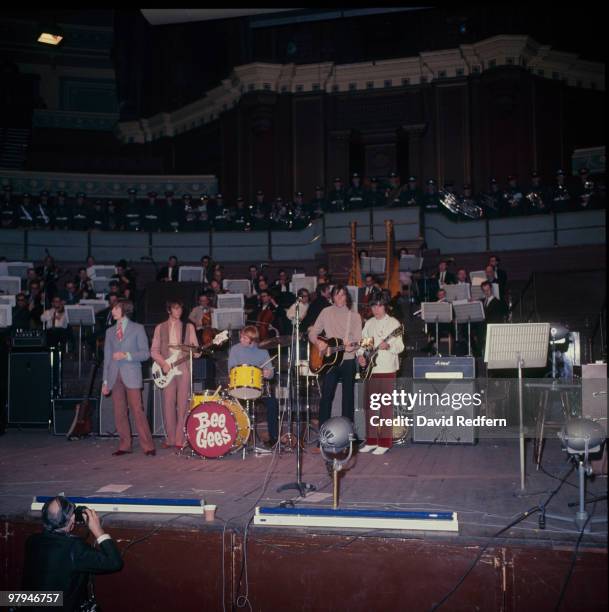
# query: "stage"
[480,482]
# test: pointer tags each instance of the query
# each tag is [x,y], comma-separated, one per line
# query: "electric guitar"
[161,380]
[321,362]
[371,354]
[81,425]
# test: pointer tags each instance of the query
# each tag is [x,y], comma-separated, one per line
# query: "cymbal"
[195,348]
[276,341]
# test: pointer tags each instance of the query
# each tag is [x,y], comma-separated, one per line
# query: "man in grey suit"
[125,348]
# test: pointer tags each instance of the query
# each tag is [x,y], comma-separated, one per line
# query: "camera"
[80,516]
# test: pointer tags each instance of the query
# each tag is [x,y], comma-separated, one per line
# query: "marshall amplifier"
[444,368]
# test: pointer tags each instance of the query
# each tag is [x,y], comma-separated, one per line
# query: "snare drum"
[207,395]
[215,428]
[245,382]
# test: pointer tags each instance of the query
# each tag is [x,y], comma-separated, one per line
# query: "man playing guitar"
[176,394]
[388,344]
[338,321]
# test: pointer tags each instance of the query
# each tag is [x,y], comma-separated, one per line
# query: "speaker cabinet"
[64,410]
[359,412]
[441,426]
[29,389]
[594,406]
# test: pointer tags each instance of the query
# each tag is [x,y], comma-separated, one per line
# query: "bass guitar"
[321,362]
[371,354]
[81,425]
[161,380]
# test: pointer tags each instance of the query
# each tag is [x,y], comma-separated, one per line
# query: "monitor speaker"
[359,412]
[29,389]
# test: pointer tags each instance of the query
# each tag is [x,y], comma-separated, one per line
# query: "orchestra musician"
[265,315]
[248,353]
[341,322]
[125,348]
[200,317]
[176,394]
[383,377]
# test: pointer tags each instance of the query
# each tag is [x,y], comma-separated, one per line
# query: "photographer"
[56,560]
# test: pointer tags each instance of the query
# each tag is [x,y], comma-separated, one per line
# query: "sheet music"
[410,263]
[372,265]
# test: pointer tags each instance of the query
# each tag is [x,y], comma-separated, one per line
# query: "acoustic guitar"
[321,362]
[81,425]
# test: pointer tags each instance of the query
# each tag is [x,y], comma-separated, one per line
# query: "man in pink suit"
[177,394]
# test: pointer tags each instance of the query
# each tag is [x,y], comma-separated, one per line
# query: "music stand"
[456,293]
[81,316]
[468,312]
[437,312]
[10,285]
[303,282]
[477,277]
[372,265]
[97,305]
[237,285]
[193,274]
[410,263]
[11,300]
[230,300]
[354,291]
[6,315]
[228,318]
[101,284]
[102,271]
[520,345]
[18,268]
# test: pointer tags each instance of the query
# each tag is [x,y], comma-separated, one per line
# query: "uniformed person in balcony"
[431,198]
[240,217]
[62,215]
[203,205]
[469,204]
[355,193]
[300,213]
[492,200]
[42,211]
[99,217]
[374,197]
[151,214]
[221,221]
[172,214]
[281,217]
[189,214]
[319,204]
[560,193]
[25,212]
[114,218]
[394,190]
[585,192]
[203,224]
[513,198]
[337,196]
[133,212]
[536,197]
[8,210]
[412,195]
[81,215]
[260,211]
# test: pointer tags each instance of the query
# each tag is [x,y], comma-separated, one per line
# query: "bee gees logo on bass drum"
[216,428]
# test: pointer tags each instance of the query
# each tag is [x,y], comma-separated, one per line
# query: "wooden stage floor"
[480,482]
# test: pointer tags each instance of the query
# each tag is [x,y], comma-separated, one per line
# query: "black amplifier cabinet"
[28,338]
[444,368]
[29,389]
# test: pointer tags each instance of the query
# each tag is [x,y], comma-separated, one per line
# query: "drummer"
[248,353]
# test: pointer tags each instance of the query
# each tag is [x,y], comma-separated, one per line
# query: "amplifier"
[439,423]
[29,389]
[443,368]
[359,412]
[594,406]
[28,338]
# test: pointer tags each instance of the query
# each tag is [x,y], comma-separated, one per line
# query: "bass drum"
[217,427]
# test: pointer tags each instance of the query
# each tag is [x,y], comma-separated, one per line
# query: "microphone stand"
[299,485]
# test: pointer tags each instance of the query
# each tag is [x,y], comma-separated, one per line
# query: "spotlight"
[50,35]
